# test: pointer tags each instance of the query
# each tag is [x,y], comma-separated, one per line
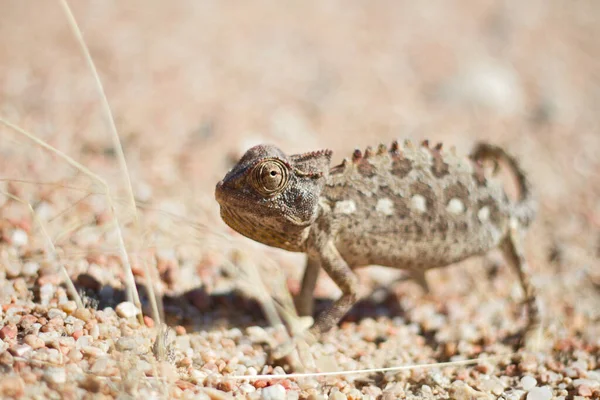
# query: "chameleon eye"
[270,177]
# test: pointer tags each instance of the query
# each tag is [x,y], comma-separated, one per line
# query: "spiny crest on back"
[401,157]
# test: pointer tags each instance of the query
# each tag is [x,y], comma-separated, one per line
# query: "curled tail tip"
[485,150]
[525,208]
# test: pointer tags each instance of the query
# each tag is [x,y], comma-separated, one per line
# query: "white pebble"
[275,392]
[247,388]
[528,382]
[540,393]
[257,334]
[20,350]
[93,351]
[95,332]
[55,312]
[19,238]
[55,375]
[588,382]
[100,366]
[514,394]
[49,337]
[338,396]
[127,310]
[46,293]
[84,340]
[127,343]
[30,268]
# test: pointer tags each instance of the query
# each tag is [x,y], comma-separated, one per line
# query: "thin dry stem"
[368,370]
[122,163]
[94,177]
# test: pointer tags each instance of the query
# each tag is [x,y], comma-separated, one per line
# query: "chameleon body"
[413,207]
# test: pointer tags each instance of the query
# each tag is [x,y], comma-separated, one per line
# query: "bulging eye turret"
[270,177]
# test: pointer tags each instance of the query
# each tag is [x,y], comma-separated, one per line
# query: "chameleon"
[407,206]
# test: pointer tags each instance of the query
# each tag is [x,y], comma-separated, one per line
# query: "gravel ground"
[192,85]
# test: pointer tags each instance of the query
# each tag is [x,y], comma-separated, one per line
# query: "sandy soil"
[191,86]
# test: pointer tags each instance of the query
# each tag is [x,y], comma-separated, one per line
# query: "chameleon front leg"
[339,271]
[419,277]
[305,299]
[325,255]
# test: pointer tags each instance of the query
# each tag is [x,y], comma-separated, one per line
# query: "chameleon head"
[272,198]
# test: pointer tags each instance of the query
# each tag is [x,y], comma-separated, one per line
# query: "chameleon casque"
[413,207]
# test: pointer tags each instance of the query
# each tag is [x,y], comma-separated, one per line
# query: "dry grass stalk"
[132,290]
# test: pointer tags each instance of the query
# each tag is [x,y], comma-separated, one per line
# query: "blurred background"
[193,84]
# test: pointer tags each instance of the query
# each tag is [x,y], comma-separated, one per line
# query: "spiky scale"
[377,212]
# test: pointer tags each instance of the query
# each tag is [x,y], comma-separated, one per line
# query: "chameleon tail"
[526,207]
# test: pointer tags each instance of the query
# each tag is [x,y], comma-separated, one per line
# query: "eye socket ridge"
[270,176]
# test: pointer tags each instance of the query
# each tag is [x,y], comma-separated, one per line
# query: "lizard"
[406,206]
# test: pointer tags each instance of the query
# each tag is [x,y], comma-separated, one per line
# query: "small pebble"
[292,395]
[30,268]
[540,393]
[93,351]
[69,307]
[492,385]
[12,387]
[338,396]
[100,366]
[275,392]
[19,238]
[584,390]
[528,382]
[56,313]
[83,314]
[515,394]
[75,355]
[20,350]
[95,331]
[12,269]
[55,375]
[587,382]
[128,343]
[247,388]
[46,293]
[6,358]
[127,310]
[34,341]
[461,391]
[257,334]
[8,332]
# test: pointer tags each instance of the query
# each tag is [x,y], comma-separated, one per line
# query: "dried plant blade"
[120,156]
[102,182]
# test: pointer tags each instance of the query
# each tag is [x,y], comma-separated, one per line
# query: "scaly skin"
[409,207]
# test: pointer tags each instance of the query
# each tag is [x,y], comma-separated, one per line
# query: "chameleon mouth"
[219,192]
[238,222]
